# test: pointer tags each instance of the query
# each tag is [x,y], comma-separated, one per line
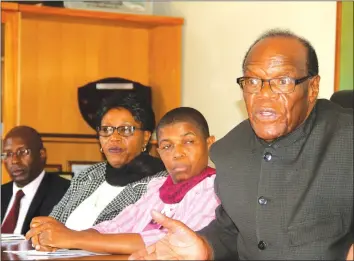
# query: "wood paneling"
[165,68]
[130,19]
[10,80]
[68,55]
[61,151]
[11,20]
[9,6]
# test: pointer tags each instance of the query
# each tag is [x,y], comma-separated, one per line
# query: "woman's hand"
[48,234]
[181,243]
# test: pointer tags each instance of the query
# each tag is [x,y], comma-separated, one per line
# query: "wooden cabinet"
[50,52]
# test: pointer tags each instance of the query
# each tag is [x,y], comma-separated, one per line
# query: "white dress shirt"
[30,191]
[85,215]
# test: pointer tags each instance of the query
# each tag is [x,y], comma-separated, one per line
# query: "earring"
[144,148]
[101,150]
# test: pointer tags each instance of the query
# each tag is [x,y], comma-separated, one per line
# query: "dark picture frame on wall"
[78,166]
[53,168]
[57,169]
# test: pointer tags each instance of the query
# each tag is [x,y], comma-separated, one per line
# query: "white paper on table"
[58,253]
[12,237]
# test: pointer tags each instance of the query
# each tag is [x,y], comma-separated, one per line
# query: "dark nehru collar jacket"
[292,199]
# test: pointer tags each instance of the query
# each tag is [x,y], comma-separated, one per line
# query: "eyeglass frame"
[9,155]
[133,128]
[296,82]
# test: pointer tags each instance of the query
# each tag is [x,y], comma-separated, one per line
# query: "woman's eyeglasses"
[125,131]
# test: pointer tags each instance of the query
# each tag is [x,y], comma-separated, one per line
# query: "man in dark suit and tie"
[31,192]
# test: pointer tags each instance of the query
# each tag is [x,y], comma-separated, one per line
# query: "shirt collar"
[301,131]
[31,188]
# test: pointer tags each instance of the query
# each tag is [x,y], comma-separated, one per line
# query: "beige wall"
[217,35]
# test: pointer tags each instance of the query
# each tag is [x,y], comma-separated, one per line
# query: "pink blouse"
[196,210]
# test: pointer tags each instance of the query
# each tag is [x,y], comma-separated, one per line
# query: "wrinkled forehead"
[278,53]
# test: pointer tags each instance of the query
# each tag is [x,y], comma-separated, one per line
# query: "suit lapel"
[6,194]
[36,202]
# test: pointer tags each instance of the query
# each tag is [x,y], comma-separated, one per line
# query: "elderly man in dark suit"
[284,176]
[31,192]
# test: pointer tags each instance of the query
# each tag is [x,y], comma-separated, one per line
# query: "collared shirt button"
[262,245]
[262,201]
[267,156]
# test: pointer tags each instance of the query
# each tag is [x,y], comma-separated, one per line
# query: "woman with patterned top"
[124,127]
[187,194]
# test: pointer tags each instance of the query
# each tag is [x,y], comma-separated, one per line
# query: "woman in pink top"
[186,194]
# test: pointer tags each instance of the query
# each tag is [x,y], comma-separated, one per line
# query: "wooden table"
[26,245]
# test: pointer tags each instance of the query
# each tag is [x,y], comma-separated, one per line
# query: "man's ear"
[210,141]
[314,88]
[43,154]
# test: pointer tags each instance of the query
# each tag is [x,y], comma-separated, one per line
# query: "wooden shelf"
[9,6]
[132,19]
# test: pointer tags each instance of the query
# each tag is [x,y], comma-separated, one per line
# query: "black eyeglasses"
[22,152]
[277,85]
[125,131]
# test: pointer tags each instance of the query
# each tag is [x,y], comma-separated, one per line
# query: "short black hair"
[28,134]
[141,110]
[312,61]
[184,114]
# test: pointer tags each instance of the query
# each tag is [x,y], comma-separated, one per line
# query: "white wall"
[216,36]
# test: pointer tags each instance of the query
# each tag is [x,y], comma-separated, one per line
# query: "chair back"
[343,98]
